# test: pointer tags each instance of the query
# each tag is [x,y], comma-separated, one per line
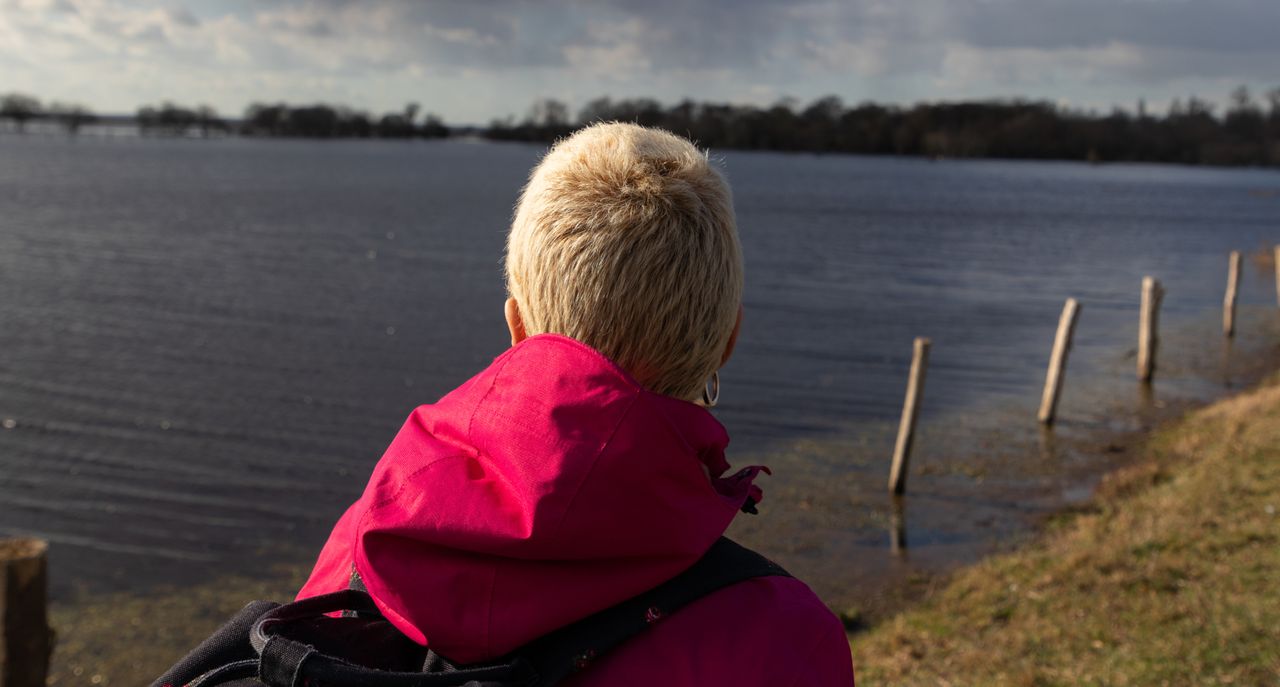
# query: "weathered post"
[1229,302]
[1277,263]
[1148,336]
[910,410]
[1058,361]
[25,639]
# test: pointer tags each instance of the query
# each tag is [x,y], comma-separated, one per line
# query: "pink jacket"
[550,486]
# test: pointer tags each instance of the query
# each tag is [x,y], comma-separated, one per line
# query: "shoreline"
[125,638]
[1162,575]
[1000,492]
[1117,450]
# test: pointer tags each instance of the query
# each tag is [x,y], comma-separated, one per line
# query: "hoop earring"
[711,391]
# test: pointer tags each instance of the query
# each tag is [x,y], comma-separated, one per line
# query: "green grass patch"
[1172,577]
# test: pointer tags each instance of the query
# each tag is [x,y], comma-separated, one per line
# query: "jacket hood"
[546,488]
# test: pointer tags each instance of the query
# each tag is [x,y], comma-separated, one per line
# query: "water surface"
[206,345]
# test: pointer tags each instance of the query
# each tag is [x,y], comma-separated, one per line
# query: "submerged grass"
[1171,577]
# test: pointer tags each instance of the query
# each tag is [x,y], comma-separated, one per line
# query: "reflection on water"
[207,345]
[898,526]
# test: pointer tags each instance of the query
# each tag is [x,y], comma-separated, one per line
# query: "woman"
[582,468]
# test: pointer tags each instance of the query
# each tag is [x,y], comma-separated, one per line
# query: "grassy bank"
[1170,577]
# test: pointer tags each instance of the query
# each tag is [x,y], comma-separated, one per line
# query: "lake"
[205,345]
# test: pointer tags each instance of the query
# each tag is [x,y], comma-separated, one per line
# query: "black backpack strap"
[287,662]
[574,647]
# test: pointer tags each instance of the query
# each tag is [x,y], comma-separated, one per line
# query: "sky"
[473,60]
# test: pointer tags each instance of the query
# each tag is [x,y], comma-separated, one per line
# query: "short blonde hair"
[625,239]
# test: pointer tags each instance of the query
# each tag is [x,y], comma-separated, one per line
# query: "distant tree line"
[169,119]
[324,121]
[303,121]
[21,109]
[1247,133]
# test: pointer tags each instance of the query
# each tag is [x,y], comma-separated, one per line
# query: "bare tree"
[71,116]
[207,120]
[167,120]
[598,110]
[548,113]
[20,108]
[1241,99]
[433,127]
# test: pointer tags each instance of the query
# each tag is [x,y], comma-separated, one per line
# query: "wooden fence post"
[1229,302]
[25,639]
[1148,323]
[910,410]
[1277,263]
[1058,361]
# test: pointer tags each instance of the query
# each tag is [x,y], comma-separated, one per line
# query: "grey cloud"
[182,16]
[745,35]
[708,35]
[1171,65]
[316,27]
[457,33]
[859,48]
[1219,26]
[150,33]
[512,33]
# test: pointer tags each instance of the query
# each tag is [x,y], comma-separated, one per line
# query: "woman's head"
[625,239]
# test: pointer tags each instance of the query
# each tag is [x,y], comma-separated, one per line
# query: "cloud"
[1218,26]
[964,66]
[613,49]
[182,16]
[471,58]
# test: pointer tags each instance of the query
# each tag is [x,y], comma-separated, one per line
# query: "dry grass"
[130,640]
[1172,579]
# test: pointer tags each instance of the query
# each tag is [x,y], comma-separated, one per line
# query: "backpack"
[299,644]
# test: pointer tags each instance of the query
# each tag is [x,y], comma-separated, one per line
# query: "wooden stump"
[1148,325]
[26,641]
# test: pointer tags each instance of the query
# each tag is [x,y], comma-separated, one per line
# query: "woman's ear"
[733,339]
[515,322]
